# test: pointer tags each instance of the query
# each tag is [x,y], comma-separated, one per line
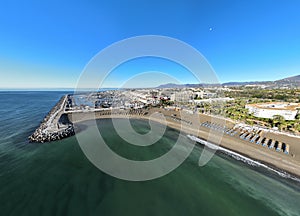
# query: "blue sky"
[46,44]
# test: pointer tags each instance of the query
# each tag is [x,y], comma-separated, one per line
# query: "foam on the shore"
[242,158]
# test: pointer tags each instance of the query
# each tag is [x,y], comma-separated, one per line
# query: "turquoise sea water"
[57,179]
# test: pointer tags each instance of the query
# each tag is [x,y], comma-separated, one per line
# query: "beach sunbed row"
[215,126]
[232,131]
[184,121]
[264,141]
[127,112]
[252,136]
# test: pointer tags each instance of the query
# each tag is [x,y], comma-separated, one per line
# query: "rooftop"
[277,106]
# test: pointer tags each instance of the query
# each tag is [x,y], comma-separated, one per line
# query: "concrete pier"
[55,125]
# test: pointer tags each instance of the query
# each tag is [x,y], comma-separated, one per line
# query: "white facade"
[198,94]
[211,100]
[183,96]
[268,110]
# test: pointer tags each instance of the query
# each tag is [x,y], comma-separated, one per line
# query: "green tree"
[279,121]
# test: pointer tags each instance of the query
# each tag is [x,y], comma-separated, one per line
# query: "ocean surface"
[57,179]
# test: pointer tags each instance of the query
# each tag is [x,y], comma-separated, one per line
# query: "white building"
[198,94]
[181,96]
[212,100]
[268,110]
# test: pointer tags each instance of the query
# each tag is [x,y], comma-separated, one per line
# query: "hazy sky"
[46,44]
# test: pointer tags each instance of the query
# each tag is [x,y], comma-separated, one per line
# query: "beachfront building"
[181,96]
[211,100]
[268,110]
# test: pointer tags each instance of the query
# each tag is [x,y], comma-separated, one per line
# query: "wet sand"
[191,125]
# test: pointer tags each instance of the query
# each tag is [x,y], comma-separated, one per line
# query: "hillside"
[290,79]
[293,81]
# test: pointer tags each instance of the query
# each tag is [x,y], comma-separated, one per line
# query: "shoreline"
[278,161]
[60,124]
[222,150]
[240,156]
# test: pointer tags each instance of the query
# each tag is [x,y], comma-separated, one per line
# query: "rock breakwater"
[55,125]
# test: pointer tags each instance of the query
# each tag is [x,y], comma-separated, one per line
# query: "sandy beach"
[190,124]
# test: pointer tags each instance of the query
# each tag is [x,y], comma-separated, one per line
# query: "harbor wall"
[55,126]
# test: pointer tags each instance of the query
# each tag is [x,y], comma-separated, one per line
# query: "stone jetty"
[55,125]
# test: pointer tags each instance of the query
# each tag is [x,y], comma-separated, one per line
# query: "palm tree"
[278,120]
[298,114]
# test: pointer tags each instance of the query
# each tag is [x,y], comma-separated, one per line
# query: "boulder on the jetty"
[42,135]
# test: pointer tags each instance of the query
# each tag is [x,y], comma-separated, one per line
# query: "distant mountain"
[290,79]
[293,81]
[200,85]
[173,85]
[247,83]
